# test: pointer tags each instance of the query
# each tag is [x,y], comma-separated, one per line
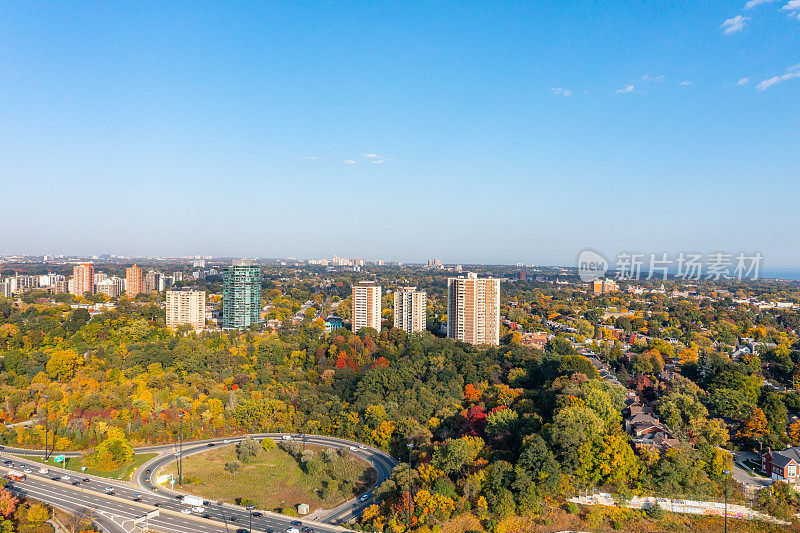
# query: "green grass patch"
[755,467]
[273,479]
[76,463]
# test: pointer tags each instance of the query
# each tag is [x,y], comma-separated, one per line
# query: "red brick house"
[782,464]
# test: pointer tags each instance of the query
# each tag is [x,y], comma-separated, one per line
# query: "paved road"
[114,506]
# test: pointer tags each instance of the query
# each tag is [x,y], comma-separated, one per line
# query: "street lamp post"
[180,453]
[45,428]
[726,473]
[410,446]
[303,427]
[250,510]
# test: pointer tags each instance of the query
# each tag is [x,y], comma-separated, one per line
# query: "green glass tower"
[241,295]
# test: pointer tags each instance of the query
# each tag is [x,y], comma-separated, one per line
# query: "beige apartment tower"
[473,309]
[366,311]
[134,281]
[410,309]
[83,279]
[186,307]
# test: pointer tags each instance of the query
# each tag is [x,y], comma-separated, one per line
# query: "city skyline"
[642,126]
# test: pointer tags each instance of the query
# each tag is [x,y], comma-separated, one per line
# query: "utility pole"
[45,428]
[250,510]
[726,473]
[180,452]
[410,446]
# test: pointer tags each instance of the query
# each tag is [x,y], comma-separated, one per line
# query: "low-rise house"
[783,465]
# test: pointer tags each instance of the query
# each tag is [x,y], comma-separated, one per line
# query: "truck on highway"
[15,475]
[194,501]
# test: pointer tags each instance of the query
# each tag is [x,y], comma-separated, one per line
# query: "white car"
[353,449]
[287,437]
[362,446]
[363,497]
[186,511]
[226,441]
[65,478]
[43,471]
[292,530]
[28,471]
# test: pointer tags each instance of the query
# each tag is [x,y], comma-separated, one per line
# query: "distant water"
[780,273]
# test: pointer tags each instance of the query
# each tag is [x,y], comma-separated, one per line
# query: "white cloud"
[371,156]
[310,157]
[794,7]
[657,79]
[626,89]
[753,3]
[743,81]
[558,91]
[377,161]
[684,83]
[734,25]
[349,162]
[791,72]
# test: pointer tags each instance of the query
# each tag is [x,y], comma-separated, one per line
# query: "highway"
[114,508]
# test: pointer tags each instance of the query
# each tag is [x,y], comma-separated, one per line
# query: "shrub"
[572,508]
[289,511]
[246,449]
[654,511]
[233,466]
[268,444]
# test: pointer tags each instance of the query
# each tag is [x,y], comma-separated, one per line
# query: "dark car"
[8,462]
[210,444]
[242,530]
[233,518]
[76,483]
[207,516]
[158,504]
[270,530]
[147,471]
[55,478]
[86,480]
[256,514]
[296,523]
[137,498]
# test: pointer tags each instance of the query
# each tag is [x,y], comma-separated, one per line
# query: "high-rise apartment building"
[241,295]
[473,309]
[186,307]
[410,309]
[602,286]
[366,306]
[111,286]
[154,281]
[134,281]
[83,279]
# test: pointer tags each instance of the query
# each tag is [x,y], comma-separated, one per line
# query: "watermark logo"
[591,265]
[685,265]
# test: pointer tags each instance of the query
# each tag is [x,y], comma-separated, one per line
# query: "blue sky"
[474,133]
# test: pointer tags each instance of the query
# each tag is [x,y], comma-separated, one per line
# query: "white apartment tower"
[410,309]
[366,311]
[473,309]
[186,307]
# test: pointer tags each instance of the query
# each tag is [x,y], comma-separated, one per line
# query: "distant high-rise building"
[186,307]
[154,281]
[366,306]
[473,309]
[241,295]
[410,309]
[112,286]
[177,277]
[134,281]
[5,288]
[83,279]
[61,286]
[602,286]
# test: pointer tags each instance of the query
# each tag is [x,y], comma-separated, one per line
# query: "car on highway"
[362,446]
[287,437]
[186,511]
[292,530]
[256,514]
[307,529]
[211,444]
[43,471]
[86,480]
[109,490]
[296,523]
[353,449]
[226,441]
[76,483]
[363,497]
[56,478]
[269,530]
[242,530]
[158,504]
[207,516]
[233,518]
[7,463]
[28,471]
[65,478]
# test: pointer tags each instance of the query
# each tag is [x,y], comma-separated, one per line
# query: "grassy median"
[274,479]
[76,463]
